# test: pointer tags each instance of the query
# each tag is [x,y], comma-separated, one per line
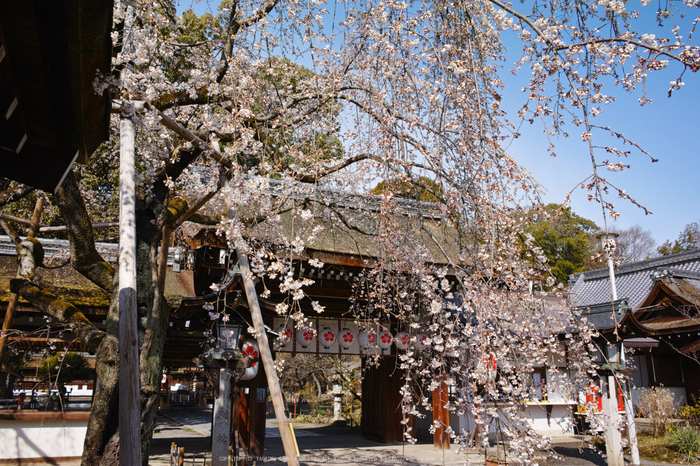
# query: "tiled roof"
[601,317]
[633,280]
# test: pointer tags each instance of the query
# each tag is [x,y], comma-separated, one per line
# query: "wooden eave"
[50,115]
[663,295]
[631,323]
[208,238]
[43,416]
[341,245]
[675,289]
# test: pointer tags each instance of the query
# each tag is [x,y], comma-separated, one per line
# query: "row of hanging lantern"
[346,338]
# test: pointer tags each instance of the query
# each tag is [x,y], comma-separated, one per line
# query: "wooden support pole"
[631,425]
[266,357]
[129,406]
[14,297]
[129,380]
[278,403]
[629,409]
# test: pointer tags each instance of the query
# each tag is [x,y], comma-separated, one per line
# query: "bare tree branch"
[84,256]
[14,194]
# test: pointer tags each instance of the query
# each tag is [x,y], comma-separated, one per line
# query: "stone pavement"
[318,445]
[331,446]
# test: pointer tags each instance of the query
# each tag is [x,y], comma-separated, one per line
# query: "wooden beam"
[11,109]
[612,430]
[48,229]
[288,441]
[181,131]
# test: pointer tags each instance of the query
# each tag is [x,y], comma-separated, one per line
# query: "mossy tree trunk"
[153,316]
[102,438]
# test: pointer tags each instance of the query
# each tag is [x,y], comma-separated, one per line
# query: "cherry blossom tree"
[279,106]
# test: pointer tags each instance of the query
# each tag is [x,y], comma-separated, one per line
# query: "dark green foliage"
[566,239]
[12,362]
[315,140]
[196,31]
[65,367]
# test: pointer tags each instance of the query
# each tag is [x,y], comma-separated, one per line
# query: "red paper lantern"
[285,335]
[402,340]
[367,339]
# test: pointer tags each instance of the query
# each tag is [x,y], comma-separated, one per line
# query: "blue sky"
[668,129]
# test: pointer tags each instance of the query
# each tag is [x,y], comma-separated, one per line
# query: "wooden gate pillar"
[441,415]
[249,416]
[381,400]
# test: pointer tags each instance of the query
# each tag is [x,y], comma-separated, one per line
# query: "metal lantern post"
[605,239]
[228,336]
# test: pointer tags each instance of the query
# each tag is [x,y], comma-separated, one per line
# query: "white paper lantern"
[421,341]
[402,340]
[385,339]
[346,338]
[305,336]
[327,337]
[285,335]
[367,339]
[250,349]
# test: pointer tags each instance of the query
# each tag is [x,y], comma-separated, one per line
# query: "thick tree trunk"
[102,440]
[103,424]
[319,390]
[152,337]
[102,445]
[83,255]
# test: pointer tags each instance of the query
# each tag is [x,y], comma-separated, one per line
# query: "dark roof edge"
[607,306]
[649,264]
